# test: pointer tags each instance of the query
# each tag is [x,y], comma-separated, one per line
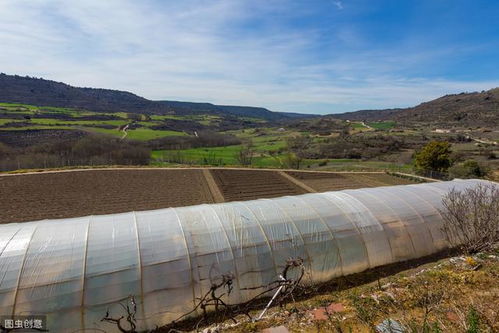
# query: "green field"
[378,125]
[263,147]
[142,133]
[269,144]
[356,125]
[219,156]
[382,125]
[76,122]
[5,121]
[226,156]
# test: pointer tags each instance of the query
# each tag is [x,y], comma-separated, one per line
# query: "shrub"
[291,161]
[468,169]
[471,219]
[473,321]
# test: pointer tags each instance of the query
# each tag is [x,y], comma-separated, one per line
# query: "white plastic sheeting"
[73,270]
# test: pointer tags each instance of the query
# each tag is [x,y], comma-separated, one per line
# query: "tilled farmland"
[248,184]
[81,193]
[322,182]
[50,195]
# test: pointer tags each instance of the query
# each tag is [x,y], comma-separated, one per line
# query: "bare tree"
[297,147]
[130,309]
[471,218]
[245,155]
[283,289]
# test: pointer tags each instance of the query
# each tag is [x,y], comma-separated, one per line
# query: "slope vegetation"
[469,109]
[35,91]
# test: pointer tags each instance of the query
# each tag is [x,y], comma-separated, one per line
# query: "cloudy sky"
[314,56]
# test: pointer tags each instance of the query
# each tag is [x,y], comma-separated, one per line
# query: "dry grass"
[456,294]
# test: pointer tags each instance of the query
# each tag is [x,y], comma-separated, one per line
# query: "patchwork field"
[49,195]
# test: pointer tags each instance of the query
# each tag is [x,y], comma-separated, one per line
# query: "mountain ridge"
[469,109]
[38,91]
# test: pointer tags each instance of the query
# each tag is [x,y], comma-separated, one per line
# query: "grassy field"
[214,156]
[356,125]
[5,121]
[226,156]
[269,144]
[75,122]
[35,127]
[379,125]
[382,125]
[269,148]
[141,134]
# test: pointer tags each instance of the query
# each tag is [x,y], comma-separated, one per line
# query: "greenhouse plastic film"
[75,270]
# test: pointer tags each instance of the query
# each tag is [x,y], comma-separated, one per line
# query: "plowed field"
[248,184]
[69,194]
[29,197]
[322,182]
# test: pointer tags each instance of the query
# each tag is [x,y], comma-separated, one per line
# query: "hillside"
[455,294]
[34,91]
[467,109]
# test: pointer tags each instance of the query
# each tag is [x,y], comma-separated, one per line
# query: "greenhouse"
[75,270]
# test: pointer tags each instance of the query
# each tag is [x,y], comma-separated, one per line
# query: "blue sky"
[309,56]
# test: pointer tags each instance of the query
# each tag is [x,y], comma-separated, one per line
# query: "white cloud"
[338,4]
[201,51]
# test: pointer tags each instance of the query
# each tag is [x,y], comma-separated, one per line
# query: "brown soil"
[249,184]
[36,196]
[322,182]
[69,194]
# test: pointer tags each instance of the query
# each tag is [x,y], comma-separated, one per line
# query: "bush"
[471,219]
[468,169]
[291,161]
[358,147]
[435,156]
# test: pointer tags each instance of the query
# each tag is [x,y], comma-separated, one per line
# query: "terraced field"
[71,193]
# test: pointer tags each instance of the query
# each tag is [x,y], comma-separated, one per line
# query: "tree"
[435,156]
[468,169]
[245,155]
[297,147]
[292,161]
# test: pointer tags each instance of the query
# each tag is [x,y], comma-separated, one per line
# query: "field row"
[28,197]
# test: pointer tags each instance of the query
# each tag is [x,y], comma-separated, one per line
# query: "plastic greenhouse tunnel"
[75,270]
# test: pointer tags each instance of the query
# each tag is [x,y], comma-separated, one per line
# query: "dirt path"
[3,174]
[212,184]
[297,182]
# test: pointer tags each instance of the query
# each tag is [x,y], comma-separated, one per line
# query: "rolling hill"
[37,91]
[466,109]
